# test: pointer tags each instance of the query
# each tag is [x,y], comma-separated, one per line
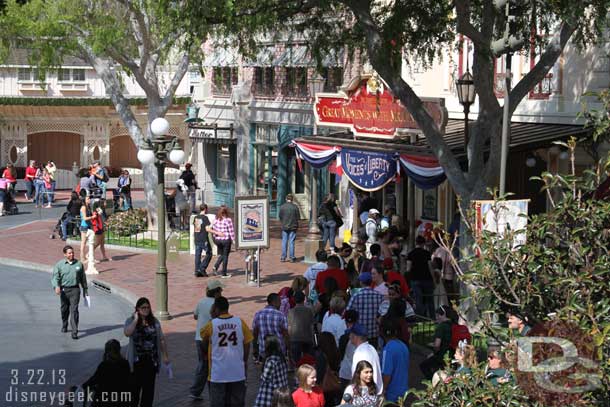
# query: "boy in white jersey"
[227,341]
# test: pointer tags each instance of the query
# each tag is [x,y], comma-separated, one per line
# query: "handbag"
[331,382]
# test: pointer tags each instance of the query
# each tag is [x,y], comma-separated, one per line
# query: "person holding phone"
[146,351]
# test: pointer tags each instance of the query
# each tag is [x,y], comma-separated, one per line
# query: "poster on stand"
[252,222]
[497,216]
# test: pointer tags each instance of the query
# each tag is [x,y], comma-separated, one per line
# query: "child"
[308,394]
[282,397]
[440,296]
[362,390]
[275,372]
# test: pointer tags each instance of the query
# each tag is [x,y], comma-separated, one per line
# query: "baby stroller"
[10,205]
[71,229]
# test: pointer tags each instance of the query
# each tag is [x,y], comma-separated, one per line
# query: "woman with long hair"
[112,378]
[282,397]
[86,227]
[327,368]
[39,185]
[330,214]
[362,390]
[275,372]
[146,351]
[224,236]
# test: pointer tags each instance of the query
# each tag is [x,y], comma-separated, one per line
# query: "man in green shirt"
[68,277]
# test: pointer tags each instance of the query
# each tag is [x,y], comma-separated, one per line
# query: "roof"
[523,136]
[20,57]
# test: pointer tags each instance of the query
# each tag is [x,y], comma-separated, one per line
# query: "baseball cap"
[214,284]
[365,277]
[358,329]
[373,211]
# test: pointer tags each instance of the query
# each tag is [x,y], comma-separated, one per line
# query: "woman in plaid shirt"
[226,234]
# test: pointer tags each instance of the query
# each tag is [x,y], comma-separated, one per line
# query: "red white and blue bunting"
[369,170]
[424,171]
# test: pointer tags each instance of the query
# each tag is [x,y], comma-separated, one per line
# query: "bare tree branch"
[176,79]
[464,26]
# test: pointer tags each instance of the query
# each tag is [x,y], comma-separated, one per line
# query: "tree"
[135,37]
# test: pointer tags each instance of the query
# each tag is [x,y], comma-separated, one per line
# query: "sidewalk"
[135,272]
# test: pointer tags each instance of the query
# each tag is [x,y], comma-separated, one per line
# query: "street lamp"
[314,239]
[466,95]
[158,150]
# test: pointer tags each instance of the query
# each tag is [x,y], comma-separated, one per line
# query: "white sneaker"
[48,206]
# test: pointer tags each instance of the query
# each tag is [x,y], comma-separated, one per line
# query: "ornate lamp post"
[158,150]
[466,95]
[313,239]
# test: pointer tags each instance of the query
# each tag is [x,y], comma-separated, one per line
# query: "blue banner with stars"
[368,170]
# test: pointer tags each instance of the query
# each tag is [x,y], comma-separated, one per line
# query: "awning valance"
[264,58]
[294,56]
[372,170]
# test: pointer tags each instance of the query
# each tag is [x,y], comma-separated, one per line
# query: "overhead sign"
[369,170]
[368,108]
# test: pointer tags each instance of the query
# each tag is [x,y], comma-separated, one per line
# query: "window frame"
[333,78]
[292,88]
[32,75]
[223,79]
[223,161]
[264,81]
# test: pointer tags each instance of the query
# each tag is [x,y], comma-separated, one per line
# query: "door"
[62,148]
[123,153]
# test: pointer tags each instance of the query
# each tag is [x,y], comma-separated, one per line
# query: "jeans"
[64,226]
[41,194]
[329,229]
[201,266]
[144,376]
[126,196]
[29,189]
[227,394]
[288,237]
[201,373]
[423,291]
[51,192]
[69,298]
[224,248]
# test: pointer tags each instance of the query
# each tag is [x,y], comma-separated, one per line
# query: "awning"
[263,58]
[221,57]
[334,59]
[294,56]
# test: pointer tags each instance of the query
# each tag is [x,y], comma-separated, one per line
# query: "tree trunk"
[241,98]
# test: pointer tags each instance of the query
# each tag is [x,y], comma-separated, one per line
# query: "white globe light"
[564,155]
[176,156]
[159,126]
[146,156]
[530,162]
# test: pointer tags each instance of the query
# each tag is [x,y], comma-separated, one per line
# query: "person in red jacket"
[394,276]
[334,271]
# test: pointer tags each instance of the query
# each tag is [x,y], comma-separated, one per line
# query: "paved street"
[33,350]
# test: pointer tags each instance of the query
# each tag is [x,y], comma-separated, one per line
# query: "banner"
[505,214]
[369,170]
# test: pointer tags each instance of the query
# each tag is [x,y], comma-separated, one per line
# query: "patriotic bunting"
[425,172]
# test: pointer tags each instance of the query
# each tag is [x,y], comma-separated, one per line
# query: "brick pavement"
[135,272]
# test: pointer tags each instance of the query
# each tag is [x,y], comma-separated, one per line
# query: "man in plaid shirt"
[270,321]
[367,302]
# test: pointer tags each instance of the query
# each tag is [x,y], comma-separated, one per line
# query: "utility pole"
[506,45]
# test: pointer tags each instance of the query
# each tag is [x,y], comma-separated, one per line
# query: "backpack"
[459,333]
[362,235]
[105,177]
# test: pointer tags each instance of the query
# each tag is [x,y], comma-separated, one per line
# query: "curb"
[124,294]
[127,248]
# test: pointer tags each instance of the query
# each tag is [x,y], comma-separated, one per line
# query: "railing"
[138,237]
[422,330]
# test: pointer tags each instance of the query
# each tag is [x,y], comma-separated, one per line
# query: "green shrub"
[127,223]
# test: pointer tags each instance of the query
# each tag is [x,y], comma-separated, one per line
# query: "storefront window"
[223,80]
[264,81]
[333,79]
[224,163]
[296,82]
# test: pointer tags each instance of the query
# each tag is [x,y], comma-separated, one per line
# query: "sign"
[369,170]
[252,220]
[368,108]
[496,217]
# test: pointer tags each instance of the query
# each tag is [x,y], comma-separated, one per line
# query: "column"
[313,242]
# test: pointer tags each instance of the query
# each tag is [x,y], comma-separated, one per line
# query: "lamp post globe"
[146,156]
[159,126]
[177,156]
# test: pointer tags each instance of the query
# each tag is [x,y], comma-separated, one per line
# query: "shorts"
[83,229]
